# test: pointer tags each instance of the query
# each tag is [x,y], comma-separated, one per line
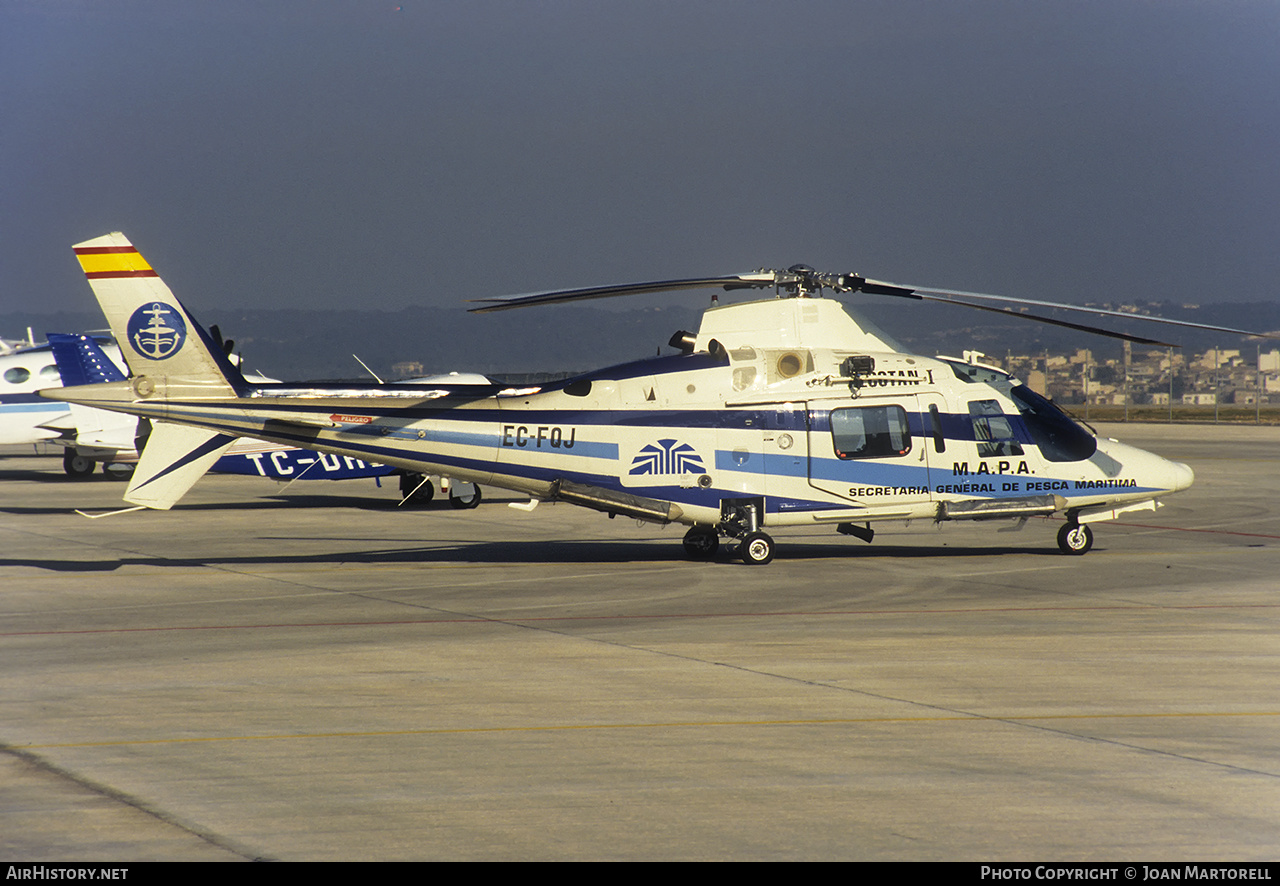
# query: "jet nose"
[1182,476]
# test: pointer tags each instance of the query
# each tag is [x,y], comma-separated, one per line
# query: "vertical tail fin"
[169,356]
[82,362]
[158,337]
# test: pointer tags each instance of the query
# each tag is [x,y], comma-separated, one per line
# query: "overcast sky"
[338,153]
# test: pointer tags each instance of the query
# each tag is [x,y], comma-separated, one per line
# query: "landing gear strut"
[1075,539]
[740,519]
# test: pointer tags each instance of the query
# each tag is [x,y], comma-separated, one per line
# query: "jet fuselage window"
[870,432]
[17,375]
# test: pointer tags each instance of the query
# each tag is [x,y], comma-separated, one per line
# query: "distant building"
[1220,357]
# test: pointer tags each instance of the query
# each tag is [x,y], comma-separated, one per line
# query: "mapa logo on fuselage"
[667,457]
[157,331]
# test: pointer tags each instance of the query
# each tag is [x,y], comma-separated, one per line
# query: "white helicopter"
[779,412]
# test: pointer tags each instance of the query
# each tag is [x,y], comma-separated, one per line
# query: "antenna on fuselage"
[368,370]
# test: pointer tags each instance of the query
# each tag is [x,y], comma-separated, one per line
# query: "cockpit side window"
[870,432]
[991,430]
[1058,437]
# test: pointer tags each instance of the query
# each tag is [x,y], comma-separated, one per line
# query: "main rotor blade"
[801,279]
[1096,330]
[956,296]
[560,296]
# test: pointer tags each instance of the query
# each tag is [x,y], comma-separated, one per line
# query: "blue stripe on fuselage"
[12,408]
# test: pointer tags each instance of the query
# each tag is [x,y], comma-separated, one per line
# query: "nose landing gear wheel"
[1075,539]
[756,549]
[701,543]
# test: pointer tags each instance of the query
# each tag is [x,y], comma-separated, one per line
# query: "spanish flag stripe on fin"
[113,261]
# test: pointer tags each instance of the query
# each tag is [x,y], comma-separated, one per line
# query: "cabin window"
[992,431]
[50,372]
[17,375]
[870,432]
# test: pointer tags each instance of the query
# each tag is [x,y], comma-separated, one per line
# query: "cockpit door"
[871,452]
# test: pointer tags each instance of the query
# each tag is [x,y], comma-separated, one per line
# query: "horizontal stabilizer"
[175,457]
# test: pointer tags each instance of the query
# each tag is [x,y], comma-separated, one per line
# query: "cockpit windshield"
[1059,438]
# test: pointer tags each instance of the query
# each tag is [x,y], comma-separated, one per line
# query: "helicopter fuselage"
[782,412]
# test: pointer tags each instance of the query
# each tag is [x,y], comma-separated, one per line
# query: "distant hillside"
[318,344]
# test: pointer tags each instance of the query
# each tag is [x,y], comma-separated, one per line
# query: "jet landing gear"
[77,466]
[416,489]
[740,519]
[463,496]
[1075,539]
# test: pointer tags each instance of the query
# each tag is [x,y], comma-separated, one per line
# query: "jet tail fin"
[175,457]
[81,361]
[158,337]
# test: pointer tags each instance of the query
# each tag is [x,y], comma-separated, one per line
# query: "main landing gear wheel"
[463,496]
[77,466]
[756,549]
[413,487]
[701,543]
[1075,539]
[117,471]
